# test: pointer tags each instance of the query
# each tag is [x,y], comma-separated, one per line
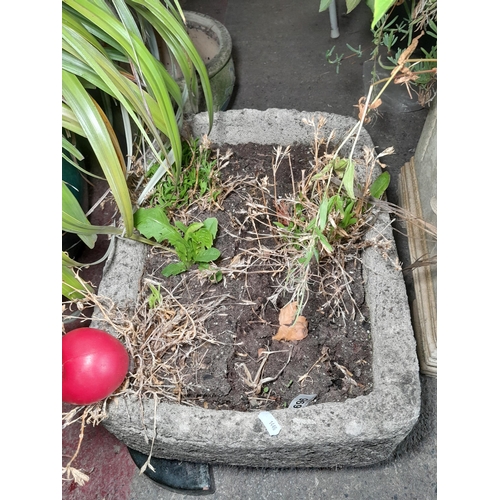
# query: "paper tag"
[270,423]
[302,400]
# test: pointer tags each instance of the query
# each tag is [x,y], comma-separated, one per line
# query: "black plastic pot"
[74,179]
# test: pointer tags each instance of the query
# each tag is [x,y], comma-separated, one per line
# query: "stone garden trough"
[361,431]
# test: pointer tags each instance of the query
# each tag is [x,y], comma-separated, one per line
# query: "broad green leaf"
[211,223]
[153,223]
[184,251]
[144,216]
[208,255]
[380,184]
[380,9]
[174,269]
[351,5]
[340,164]
[348,179]
[193,228]
[202,238]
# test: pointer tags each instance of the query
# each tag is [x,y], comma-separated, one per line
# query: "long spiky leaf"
[103,141]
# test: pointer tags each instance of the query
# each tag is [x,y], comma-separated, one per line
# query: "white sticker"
[302,400]
[270,423]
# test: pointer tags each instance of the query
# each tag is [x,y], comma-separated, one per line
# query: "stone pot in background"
[213,42]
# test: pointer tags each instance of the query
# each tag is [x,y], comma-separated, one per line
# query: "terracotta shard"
[287,313]
[289,328]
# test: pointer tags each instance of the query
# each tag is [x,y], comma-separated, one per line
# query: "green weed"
[193,244]
[155,296]
[328,213]
[197,179]
[337,61]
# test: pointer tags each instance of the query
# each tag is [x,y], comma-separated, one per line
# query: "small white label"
[302,400]
[270,423]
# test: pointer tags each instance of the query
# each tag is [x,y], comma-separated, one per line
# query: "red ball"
[94,365]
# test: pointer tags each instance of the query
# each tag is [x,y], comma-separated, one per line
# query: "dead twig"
[71,472]
[324,356]
[256,382]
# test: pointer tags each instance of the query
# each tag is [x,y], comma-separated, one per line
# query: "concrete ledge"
[418,194]
[357,432]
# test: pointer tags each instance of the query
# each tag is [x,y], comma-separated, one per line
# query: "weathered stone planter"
[357,432]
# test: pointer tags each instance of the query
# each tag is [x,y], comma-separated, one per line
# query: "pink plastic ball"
[94,365]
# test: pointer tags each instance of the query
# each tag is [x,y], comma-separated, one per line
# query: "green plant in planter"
[336,218]
[331,211]
[192,244]
[389,32]
[198,179]
[109,60]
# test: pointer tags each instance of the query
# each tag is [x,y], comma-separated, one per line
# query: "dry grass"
[293,239]
[83,415]
[162,340]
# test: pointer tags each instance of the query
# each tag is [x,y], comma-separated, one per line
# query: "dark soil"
[333,361]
